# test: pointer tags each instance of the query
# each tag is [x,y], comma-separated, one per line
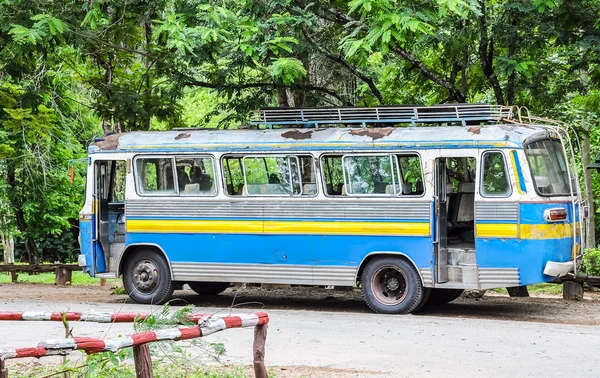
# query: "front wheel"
[147,277]
[391,286]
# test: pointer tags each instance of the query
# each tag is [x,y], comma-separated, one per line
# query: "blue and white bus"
[413,204]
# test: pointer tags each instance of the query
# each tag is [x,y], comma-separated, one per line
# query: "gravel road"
[317,332]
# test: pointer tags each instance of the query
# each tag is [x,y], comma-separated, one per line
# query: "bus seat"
[466,207]
[419,187]
[329,188]
[192,189]
[309,189]
[343,190]
[407,188]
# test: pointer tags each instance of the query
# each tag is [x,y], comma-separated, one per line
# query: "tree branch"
[341,61]
[454,93]
[486,55]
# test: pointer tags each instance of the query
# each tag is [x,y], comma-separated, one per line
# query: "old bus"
[413,204]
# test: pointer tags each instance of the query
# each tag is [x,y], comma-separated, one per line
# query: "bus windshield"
[548,167]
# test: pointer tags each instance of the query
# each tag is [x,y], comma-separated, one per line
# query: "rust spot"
[297,134]
[475,129]
[373,133]
[110,142]
[182,136]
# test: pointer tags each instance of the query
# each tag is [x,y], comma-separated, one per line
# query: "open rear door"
[441,222]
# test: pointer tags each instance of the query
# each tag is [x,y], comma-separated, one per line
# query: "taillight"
[555,215]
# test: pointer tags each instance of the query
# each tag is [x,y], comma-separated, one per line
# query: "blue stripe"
[533,213]
[519,172]
[311,250]
[496,221]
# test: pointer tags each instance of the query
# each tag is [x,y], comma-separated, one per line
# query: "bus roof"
[333,138]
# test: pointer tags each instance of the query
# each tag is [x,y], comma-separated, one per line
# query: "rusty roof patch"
[110,142]
[297,134]
[182,136]
[475,129]
[373,133]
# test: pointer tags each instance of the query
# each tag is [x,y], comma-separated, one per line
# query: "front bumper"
[559,269]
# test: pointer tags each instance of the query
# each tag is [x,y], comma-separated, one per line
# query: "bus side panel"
[267,256]
[537,243]
[85,240]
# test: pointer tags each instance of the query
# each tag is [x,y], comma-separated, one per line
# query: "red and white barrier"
[91,316]
[206,326]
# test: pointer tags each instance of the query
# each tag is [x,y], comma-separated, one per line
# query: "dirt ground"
[538,308]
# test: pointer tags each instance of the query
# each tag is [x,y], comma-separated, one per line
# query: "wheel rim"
[146,276]
[389,285]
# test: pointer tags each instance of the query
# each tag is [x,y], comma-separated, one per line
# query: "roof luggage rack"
[313,117]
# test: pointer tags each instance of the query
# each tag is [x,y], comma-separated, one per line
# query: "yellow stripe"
[528,231]
[278,227]
[514,167]
[546,231]
[496,230]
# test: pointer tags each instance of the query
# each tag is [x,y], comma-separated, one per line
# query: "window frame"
[241,157]
[506,174]
[173,158]
[396,162]
[566,162]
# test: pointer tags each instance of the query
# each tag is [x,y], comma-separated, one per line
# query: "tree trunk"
[16,201]
[8,247]
[282,98]
[589,191]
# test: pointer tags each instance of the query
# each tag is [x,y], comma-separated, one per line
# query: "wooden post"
[63,275]
[143,361]
[3,370]
[260,337]
[102,281]
[572,291]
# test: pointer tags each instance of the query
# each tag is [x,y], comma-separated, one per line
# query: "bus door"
[109,202]
[441,222]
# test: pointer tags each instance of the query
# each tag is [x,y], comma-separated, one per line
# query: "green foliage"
[591,262]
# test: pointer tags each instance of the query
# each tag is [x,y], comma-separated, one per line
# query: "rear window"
[548,167]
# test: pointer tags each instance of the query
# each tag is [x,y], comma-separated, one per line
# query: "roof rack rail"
[313,117]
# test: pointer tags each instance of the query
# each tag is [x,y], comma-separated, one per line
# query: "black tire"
[147,278]
[442,296]
[426,293]
[208,288]
[391,285]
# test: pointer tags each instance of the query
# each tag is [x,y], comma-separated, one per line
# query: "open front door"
[441,222]
[109,198]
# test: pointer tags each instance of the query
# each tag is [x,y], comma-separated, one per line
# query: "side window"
[265,175]
[409,169]
[118,189]
[195,176]
[370,174]
[272,175]
[155,176]
[234,175]
[495,178]
[333,175]
[390,175]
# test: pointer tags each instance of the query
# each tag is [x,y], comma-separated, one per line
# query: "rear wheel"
[147,277]
[442,296]
[391,285]
[208,288]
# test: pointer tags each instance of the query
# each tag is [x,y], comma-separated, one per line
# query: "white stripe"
[98,317]
[168,334]
[59,344]
[35,315]
[249,320]
[212,325]
[8,353]
[115,344]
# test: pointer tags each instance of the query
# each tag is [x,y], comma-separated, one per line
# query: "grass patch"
[545,288]
[78,278]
